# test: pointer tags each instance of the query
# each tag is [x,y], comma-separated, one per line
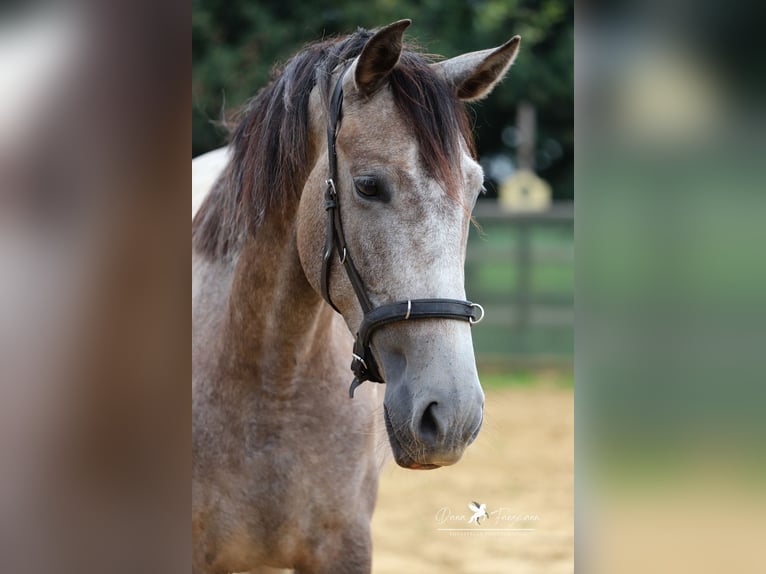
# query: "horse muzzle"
[434,404]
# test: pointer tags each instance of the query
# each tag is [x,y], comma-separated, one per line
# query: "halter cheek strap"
[363,364]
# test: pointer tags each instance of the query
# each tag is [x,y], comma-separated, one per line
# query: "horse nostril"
[429,428]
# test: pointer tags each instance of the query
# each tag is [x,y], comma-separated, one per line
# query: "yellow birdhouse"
[525,191]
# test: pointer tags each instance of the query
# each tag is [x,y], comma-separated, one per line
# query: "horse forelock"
[439,117]
[271,147]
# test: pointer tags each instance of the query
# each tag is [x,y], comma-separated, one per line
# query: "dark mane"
[271,155]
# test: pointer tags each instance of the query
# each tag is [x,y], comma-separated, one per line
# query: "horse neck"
[275,321]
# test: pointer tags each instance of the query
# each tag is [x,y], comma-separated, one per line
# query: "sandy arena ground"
[521,467]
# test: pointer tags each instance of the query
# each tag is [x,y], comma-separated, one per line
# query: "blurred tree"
[235,44]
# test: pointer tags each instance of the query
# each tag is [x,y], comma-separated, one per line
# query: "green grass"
[526,378]
[536,340]
[502,277]
[492,278]
[553,279]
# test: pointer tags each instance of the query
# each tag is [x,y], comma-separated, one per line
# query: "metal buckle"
[331,184]
[361,360]
[409,309]
[342,258]
[473,321]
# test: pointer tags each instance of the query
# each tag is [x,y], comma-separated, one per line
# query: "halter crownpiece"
[363,363]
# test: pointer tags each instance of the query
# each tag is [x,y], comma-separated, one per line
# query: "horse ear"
[379,56]
[473,75]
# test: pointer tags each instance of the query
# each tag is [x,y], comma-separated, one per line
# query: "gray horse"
[285,464]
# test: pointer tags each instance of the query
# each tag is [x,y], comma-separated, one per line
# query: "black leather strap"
[335,239]
[329,247]
[331,195]
[415,309]
[363,365]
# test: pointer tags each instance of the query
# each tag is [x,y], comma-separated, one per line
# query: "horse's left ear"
[379,56]
[473,75]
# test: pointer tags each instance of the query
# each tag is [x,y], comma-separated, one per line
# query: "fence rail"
[520,266]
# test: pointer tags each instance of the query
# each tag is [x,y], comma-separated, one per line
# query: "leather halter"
[363,364]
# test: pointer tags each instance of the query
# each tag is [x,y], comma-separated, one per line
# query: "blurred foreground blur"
[670,289]
[94,414]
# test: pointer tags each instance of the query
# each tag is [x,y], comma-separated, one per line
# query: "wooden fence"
[520,267]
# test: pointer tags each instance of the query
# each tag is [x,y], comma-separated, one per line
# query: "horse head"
[406,181]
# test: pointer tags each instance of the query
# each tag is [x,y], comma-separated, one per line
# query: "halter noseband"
[363,364]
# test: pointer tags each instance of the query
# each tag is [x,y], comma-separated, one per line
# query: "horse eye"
[366,186]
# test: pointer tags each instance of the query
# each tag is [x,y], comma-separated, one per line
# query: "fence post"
[524,280]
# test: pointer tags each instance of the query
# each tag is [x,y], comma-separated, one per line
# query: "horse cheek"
[309,231]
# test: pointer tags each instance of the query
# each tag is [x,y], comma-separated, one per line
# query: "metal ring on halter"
[361,360]
[409,309]
[473,321]
[342,258]
[331,184]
